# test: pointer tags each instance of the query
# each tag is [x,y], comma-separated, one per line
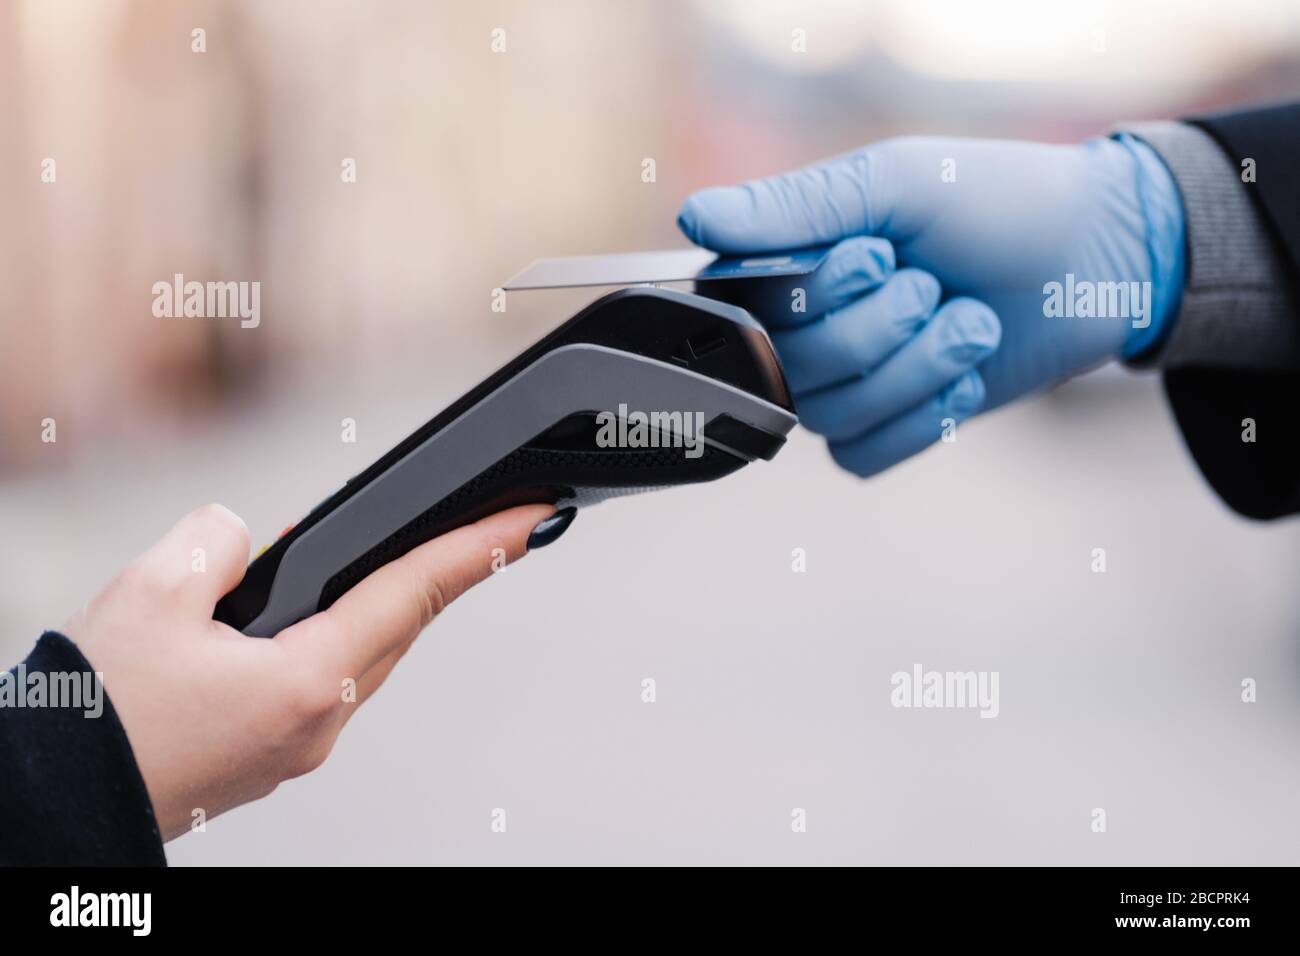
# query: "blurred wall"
[226,164]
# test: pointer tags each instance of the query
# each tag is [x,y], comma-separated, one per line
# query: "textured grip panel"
[530,475]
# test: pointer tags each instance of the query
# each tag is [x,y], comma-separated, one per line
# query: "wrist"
[1162,209]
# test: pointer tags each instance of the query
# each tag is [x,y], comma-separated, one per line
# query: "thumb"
[813,206]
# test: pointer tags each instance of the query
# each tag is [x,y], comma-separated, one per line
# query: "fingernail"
[858,264]
[926,291]
[551,528]
[976,334]
[969,353]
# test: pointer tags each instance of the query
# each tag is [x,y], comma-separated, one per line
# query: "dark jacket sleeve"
[1216,400]
[70,791]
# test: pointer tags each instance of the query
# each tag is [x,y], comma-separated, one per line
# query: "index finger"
[396,602]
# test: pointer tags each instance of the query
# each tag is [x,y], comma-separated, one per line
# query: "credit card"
[798,262]
[669,265]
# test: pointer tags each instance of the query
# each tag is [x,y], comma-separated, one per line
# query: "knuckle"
[311,756]
[156,575]
[312,696]
[265,788]
[139,575]
[427,593]
[436,599]
[299,753]
[792,190]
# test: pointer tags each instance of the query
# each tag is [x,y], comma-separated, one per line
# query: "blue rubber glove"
[937,300]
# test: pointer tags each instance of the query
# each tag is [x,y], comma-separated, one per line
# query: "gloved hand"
[935,303]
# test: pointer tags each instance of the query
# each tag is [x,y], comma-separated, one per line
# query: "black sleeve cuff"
[1239,427]
[70,791]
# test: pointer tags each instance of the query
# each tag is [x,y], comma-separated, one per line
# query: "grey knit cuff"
[1236,309]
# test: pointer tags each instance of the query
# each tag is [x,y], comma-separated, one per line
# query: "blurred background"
[1118,690]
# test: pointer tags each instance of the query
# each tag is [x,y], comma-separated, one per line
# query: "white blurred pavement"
[1118,690]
